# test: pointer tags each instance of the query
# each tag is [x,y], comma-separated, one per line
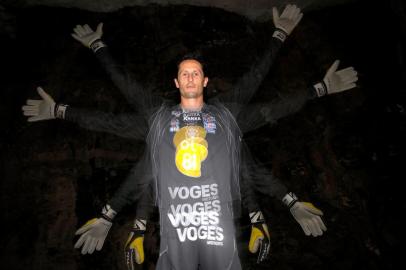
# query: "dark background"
[345,152]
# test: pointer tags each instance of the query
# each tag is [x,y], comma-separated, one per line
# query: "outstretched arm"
[262,180]
[246,87]
[124,125]
[133,91]
[335,81]
[136,188]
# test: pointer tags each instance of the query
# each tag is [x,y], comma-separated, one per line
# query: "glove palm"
[85,35]
[95,231]
[38,110]
[289,18]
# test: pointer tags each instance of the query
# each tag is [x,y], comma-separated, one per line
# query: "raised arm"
[142,99]
[246,87]
[335,81]
[124,125]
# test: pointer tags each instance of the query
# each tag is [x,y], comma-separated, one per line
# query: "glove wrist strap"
[108,213]
[280,34]
[59,111]
[139,225]
[96,45]
[257,217]
[321,89]
[290,199]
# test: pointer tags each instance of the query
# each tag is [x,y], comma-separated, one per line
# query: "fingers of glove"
[347,87]
[333,68]
[138,247]
[137,257]
[92,245]
[87,28]
[99,29]
[79,30]
[256,237]
[75,36]
[298,18]
[34,102]
[81,240]
[87,226]
[86,245]
[35,118]
[347,73]
[314,228]
[275,15]
[44,95]
[312,209]
[100,244]
[286,11]
[295,13]
[292,12]
[305,228]
[348,77]
[30,113]
[320,223]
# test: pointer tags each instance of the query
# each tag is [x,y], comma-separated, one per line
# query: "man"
[194,149]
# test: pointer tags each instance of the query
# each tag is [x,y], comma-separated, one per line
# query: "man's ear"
[176,83]
[206,80]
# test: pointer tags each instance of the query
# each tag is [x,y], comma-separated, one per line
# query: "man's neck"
[191,104]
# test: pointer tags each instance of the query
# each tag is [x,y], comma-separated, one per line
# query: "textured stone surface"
[253,9]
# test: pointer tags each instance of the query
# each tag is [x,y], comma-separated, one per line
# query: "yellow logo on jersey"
[191,150]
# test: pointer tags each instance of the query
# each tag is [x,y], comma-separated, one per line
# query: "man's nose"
[190,77]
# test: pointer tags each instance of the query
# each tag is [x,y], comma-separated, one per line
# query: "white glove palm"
[40,109]
[93,234]
[336,81]
[85,35]
[341,80]
[95,231]
[308,216]
[289,18]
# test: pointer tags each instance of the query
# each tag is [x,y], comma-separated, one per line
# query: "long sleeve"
[254,116]
[136,188]
[142,99]
[246,86]
[131,126]
[257,178]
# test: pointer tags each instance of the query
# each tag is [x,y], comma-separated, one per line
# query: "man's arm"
[136,188]
[261,180]
[132,126]
[142,99]
[335,81]
[246,87]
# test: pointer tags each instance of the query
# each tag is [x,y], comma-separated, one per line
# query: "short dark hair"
[197,56]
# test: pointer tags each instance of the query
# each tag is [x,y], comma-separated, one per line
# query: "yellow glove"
[259,236]
[134,247]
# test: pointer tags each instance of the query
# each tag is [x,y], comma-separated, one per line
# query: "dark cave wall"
[343,152]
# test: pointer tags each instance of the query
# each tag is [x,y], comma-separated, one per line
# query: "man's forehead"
[190,64]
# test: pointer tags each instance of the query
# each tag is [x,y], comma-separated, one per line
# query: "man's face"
[191,80]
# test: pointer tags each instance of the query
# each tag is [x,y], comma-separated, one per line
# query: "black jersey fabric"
[228,108]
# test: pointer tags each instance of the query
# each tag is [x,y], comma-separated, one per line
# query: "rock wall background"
[345,153]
